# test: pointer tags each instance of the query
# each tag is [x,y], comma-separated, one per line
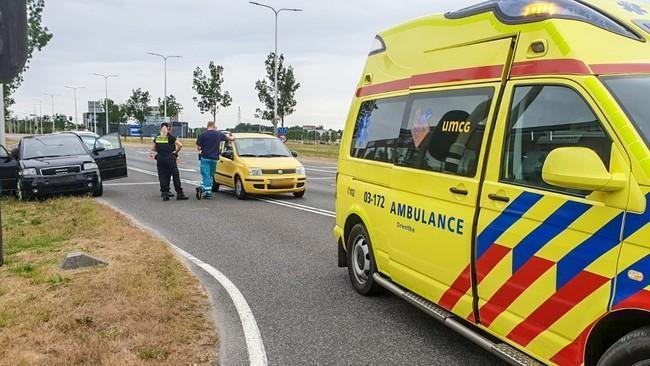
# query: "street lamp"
[106,77]
[53,119]
[40,115]
[275,76]
[76,116]
[164,57]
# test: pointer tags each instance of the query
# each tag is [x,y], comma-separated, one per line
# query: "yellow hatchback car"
[259,164]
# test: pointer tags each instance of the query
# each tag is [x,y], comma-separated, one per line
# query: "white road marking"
[254,343]
[321,167]
[320,178]
[188,170]
[320,170]
[295,206]
[130,184]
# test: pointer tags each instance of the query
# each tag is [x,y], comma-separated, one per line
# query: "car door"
[110,157]
[545,255]
[435,184]
[8,171]
[226,166]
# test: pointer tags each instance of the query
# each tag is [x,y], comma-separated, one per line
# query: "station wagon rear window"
[632,94]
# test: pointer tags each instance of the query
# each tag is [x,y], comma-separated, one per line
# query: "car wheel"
[99,191]
[240,191]
[20,194]
[300,194]
[632,349]
[215,186]
[361,261]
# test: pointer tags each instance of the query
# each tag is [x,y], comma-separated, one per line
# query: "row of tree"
[296,133]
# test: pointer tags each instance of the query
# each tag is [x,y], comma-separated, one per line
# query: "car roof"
[253,136]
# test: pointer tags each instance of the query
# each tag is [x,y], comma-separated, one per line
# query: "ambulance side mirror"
[582,169]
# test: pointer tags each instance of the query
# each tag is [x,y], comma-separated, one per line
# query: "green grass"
[308,150]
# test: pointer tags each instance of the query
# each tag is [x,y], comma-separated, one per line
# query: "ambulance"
[495,173]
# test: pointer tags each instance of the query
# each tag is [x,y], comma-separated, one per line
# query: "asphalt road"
[281,255]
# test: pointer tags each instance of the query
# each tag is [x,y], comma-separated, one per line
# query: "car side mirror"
[295,154]
[98,147]
[582,169]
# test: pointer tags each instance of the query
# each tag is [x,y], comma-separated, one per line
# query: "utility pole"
[76,116]
[106,77]
[53,119]
[164,57]
[275,74]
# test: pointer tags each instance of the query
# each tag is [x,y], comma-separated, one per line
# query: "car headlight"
[28,171]
[300,170]
[254,172]
[90,166]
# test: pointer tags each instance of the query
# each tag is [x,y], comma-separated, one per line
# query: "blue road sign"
[283,131]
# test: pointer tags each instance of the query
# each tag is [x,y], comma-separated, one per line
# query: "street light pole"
[53,119]
[275,76]
[76,116]
[106,77]
[164,57]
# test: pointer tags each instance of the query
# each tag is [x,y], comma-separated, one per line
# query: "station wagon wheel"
[19,192]
[361,261]
[240,191]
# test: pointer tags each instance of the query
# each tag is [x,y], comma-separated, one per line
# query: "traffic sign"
[283,131]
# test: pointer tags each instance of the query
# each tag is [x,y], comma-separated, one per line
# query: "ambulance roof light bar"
[530,11]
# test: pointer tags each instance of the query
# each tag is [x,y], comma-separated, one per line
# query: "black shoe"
[182,197]
[169,194]
[165,196]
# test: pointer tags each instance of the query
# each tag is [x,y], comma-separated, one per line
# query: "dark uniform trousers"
[167,169]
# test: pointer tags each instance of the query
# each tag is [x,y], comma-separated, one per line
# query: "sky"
[327,44]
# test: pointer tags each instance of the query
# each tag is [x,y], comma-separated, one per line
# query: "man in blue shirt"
[208,144]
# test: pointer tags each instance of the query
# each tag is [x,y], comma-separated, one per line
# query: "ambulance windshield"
[632,94]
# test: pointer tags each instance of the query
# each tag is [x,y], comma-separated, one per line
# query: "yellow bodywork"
[544,262]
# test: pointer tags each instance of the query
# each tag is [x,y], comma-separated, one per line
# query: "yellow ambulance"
[495,173]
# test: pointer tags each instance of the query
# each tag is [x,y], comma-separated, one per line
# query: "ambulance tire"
[633,350]
[361,262]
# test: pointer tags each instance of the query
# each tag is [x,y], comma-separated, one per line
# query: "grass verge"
[144,308]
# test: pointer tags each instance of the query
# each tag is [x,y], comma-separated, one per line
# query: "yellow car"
[494,172]
[259,164]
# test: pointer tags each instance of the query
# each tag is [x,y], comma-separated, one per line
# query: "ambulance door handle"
[499,198]
[460,191]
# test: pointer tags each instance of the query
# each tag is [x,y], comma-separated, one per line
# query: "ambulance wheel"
[215,186]
[633,350]
[361,261]
[240,191]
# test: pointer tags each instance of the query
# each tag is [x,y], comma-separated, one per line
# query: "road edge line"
[252,335]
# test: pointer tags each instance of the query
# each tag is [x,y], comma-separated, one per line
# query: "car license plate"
[282,183]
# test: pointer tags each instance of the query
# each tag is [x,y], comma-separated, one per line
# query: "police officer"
[165,148]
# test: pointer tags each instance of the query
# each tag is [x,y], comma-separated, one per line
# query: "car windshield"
[261,147]
[51,146]
[89,141]
[632,94]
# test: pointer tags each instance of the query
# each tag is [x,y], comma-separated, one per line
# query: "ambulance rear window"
[525,11]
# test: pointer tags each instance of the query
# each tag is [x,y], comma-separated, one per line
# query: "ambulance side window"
[544,118]
[377,129]
[443,131]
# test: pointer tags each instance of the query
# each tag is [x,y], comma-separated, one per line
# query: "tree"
[37,38]
[116,112]
[174,107]
[211,98]
[287,87]
[137,106]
